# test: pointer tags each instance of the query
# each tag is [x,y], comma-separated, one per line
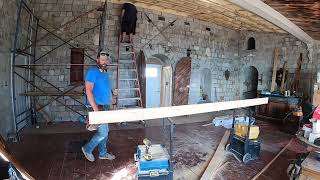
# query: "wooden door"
[182,82]
[141,65]
[76,71]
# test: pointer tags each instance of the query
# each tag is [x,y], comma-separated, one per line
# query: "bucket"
[307,130]
[316,126]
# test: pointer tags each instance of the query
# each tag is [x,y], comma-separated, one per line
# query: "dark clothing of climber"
[129,19]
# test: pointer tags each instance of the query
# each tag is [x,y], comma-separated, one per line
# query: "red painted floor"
[57,155]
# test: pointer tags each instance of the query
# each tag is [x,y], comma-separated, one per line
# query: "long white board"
[127,115]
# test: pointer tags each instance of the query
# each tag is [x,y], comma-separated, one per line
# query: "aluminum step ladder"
[128,85]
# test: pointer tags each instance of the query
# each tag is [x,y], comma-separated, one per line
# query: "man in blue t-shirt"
[98,92]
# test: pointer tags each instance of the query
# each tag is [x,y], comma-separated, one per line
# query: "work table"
[278,106]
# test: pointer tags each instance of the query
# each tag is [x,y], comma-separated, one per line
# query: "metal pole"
[45,92]
[250,114]
[171,149]
[19,51]
[118,73]
[30,58]
[233,118]
[29,22]
[13,60]
[66,42]
[58,28]
[34,106]
[23,119]
[103,26]
[27,8]
[23,112]
[163,133]
[58,88]
[62,94]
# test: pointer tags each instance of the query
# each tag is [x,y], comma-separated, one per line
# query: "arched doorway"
[250,82]
[153,83]
[158,81]
[205,85]
[182,81]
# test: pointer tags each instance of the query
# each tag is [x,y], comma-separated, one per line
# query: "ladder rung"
[124,89]
[127,70]
[130,107]
[33,28]
[126,61]
[128,79]
[128,52]
[123,99]
[126,44]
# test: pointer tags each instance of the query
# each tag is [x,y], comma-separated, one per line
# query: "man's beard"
[103,67]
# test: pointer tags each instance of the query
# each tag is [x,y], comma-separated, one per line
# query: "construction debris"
[217,159]
[267,166]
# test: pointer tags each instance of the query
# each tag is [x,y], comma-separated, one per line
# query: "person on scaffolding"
[128,21]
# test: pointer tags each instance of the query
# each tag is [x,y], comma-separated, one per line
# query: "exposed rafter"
[265,11]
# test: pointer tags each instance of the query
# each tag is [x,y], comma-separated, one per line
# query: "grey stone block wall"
[216,49]
[262,58]
[219,49]
[53,14]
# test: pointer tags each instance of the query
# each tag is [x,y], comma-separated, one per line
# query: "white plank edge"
[129,115]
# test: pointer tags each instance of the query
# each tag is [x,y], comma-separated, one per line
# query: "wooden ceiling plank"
[195,4]
[238,14]
[214,10]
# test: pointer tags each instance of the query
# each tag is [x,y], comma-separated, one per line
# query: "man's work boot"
[88,156]
[108,156]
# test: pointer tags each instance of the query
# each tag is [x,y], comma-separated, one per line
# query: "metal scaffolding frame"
[23,87]
[22,108]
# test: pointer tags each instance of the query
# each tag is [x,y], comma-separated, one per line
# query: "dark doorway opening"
[250,83]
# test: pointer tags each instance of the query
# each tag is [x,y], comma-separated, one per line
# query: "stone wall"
[262,58]
[53,15]
[314,55]
[219,49]
[213,47]
[8,11]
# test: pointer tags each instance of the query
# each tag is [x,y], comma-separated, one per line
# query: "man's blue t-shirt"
[101,88]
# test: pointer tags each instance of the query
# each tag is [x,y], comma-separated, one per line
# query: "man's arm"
[89,92]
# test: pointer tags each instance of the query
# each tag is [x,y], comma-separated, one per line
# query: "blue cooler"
[155,169]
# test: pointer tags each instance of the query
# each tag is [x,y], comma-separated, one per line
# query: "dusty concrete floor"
[53,152]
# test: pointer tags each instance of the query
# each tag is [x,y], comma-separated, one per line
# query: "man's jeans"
[100,138]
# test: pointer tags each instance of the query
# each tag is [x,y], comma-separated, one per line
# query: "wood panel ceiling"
[304,13]
[220,12]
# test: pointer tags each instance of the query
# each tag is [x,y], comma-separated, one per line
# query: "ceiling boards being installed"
[219,12]
[303,13]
